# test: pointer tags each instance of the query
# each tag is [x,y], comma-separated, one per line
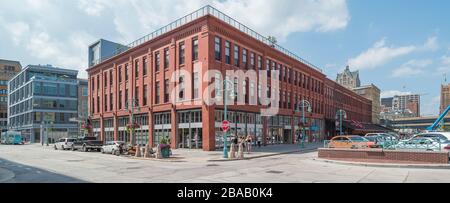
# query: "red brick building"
[209,40]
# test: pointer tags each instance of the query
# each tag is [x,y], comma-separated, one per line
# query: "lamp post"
[304,104]
[134,105]
[341,113]
[225,117]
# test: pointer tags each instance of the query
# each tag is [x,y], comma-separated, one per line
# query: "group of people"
[246,141]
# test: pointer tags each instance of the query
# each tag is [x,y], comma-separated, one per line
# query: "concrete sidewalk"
[272,150]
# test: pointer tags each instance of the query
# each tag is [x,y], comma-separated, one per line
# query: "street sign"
[225,126]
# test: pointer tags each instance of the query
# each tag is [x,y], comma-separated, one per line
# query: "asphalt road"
[35,164]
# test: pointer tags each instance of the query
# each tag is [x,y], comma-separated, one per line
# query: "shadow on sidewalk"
[28,174]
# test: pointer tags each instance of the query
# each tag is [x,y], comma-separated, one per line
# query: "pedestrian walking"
[249,143]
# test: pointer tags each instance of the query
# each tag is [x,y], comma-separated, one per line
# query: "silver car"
[64,143]
[112,147]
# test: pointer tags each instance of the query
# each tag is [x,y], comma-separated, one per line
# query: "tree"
[272,40]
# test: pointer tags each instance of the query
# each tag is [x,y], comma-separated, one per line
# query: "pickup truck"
[87,144]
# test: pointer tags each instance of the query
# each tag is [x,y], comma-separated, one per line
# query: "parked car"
[420,144]
[87,144]
[113,147]
[442,135]
[386,136]
[351,142]
[64,143]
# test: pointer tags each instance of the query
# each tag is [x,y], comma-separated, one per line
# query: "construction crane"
[438,123]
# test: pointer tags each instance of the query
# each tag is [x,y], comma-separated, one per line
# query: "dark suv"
[87,144]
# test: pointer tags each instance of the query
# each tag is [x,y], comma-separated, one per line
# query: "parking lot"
[34,163]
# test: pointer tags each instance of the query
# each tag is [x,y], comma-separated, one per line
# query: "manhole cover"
[275,172]
[75,160]
[211,165]
[133,168]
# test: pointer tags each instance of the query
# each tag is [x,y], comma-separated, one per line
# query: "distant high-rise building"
[104,49]
[445,97]
[8,69]
[404,102]
[387,102]
[349,79]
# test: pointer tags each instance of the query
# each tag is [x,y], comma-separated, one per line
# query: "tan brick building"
[372,93]
[8,69]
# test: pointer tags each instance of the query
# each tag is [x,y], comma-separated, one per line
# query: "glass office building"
[42,100]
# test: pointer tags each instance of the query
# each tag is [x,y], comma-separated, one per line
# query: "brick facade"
[379,155]
[305,82]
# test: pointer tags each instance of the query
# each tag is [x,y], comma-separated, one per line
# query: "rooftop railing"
[208,10]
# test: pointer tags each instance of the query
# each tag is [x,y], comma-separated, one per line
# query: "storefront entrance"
[190,138]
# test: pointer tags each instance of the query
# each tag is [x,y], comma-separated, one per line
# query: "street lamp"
[304,104]
[225,116]
[342,114]
[134,106]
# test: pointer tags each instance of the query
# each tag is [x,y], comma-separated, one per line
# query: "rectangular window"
[236,56]
[126,98]
[98,104]
[136,95]
[126,72]
[244,58]
[218,48]
[144,95]
[105,79]
[120,74]
[144,66]
[166,91]
[120,99]
[196,86]
[166,58]
[157,61]
[252,60]
[105,102]
[259,63]
[136,68]
[227,52]
[182,53]
[157,93]
[98,82]
[110,78]
[195,49]
[268,67]
[92,86]
[111,102]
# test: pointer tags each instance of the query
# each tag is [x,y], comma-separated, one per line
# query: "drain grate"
[211,165]
[75,160]
[133,168]
[275,172]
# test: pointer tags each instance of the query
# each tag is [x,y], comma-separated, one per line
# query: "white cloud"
[431,44]
[412,68]
[444,66]
[134,18]
[392,93]
[380,53]
[58,32]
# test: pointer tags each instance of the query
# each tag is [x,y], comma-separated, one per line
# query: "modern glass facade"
[43,99]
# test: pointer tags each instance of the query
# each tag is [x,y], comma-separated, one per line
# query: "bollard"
[241,151]
[232,151]
[158,152]
[138,151]
[146,151]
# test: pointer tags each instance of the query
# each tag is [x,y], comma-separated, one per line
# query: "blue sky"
[398,45]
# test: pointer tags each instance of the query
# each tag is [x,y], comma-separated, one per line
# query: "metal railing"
[209,10]
[402,145]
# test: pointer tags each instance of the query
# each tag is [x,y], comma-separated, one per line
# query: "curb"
[6,175]
[262,156]
[381,165]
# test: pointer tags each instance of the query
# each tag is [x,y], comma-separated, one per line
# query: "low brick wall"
[380,155]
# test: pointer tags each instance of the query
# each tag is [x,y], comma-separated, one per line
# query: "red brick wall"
[378,155]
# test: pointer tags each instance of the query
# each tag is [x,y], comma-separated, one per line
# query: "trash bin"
[165,152]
